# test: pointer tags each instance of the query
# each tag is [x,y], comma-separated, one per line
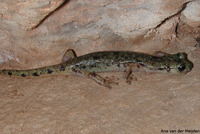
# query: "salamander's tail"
[22,73]
[32,72]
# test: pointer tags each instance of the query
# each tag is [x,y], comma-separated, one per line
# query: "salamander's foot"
[130,78]
[69,54]
[112,80]
[106,84]
[160,53]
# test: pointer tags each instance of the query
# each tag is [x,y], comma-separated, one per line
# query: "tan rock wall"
[32,29]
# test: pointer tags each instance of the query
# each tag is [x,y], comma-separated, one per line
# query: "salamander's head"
[178,63]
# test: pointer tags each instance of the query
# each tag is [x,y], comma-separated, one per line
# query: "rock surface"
[192,14]
[37,33]
[56,25]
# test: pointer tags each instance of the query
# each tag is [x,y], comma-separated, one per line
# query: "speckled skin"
[90,64]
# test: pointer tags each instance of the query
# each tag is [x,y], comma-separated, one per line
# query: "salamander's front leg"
[69,54]
[97,78]
[128,73]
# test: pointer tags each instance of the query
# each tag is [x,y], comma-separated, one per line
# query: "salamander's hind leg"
[160,53]
[97,78]
[69,54]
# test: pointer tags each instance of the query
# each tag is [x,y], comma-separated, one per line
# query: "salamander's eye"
[181,55]
[182,67]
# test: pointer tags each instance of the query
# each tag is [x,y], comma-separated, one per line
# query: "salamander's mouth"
[190,66]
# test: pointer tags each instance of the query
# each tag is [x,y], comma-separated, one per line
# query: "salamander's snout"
[185,65]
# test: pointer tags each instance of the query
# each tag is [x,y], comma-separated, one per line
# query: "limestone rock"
[85,26]
[28,13]
[192,14]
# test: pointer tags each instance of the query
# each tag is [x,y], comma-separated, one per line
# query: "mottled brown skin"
[90,64]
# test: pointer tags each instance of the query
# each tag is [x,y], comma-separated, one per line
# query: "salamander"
[104,61]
